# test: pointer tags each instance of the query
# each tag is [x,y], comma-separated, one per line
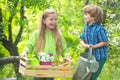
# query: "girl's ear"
[43,21]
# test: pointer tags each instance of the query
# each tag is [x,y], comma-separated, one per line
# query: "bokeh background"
[19,18]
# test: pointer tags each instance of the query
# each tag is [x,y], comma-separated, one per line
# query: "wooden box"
[64,70]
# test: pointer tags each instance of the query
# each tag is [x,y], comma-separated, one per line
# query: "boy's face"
[88,19]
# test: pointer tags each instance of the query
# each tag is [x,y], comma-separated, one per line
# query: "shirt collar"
[91,25]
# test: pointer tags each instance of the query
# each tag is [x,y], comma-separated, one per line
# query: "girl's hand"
[23,54]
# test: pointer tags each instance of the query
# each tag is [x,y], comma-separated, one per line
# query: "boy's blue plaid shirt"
[95,34]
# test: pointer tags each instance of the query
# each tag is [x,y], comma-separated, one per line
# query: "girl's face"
[51,21]
[88,19]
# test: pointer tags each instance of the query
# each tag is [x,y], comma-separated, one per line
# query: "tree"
[14,7]
[8,43]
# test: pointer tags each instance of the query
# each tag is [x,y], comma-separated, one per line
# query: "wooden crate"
[63,70]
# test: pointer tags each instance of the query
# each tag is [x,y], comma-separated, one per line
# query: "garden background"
[19,18]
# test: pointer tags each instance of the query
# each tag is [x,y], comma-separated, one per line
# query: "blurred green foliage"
[70,22]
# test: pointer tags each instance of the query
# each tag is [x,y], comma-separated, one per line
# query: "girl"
[47,39]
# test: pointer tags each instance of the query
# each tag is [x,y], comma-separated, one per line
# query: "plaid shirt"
[95,34]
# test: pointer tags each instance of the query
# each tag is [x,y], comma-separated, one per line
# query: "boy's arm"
[83,38]
[101,44]
[102,38]
[86,46]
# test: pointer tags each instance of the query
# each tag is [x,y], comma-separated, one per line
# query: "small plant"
[45,58]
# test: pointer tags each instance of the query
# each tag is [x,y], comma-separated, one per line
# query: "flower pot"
[45,63]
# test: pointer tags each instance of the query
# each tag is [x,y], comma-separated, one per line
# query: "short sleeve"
[102,36]
[82,36]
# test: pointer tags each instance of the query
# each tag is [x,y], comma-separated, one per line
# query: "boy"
[95,34]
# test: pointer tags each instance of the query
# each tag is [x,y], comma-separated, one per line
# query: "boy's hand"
[86,46]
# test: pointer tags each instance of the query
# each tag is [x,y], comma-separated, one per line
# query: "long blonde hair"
[41,34]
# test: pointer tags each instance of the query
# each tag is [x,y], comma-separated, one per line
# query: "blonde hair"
[41,34]
[95,11]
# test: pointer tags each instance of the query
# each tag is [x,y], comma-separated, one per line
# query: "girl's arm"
[66,55]
[64,48]
[30,44]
